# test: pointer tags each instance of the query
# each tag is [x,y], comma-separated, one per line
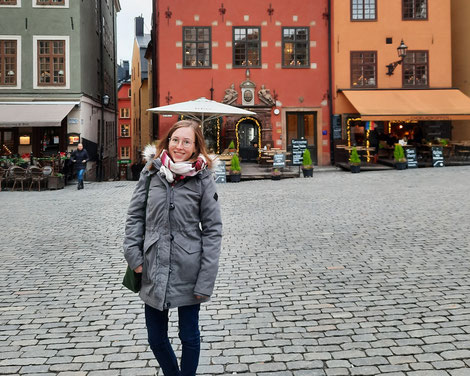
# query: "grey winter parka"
[179,244]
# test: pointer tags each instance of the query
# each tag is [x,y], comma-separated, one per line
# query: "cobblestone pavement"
[341,274]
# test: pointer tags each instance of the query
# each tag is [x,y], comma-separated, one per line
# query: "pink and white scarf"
[174,171]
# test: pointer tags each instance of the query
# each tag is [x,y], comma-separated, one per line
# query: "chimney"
[139,26]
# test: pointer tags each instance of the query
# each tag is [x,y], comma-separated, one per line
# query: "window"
[125,113]
[295,45]
[8,56]
[363,69]
[415,9]
[125,151]
[50,2]
[7,2]
[129,93]
[415,69]
[51,63]
[197,47]
[246,47]
[363,10]
[125,130]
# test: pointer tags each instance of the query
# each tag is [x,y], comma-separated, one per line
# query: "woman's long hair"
[163,144]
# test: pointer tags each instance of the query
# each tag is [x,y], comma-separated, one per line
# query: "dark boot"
[81,184]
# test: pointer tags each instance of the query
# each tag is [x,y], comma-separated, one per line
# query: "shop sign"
[220,173]
[124,161]
[411,157]
[298,148]
[279,160]
[73,121]
[437,156]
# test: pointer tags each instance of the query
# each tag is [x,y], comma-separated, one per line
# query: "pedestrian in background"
[173,237]
[80,158]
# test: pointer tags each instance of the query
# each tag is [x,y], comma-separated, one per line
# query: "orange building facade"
[270,58]
[124,131]
[375,89]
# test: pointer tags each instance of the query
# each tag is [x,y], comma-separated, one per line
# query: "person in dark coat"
[173,237]
[80,158]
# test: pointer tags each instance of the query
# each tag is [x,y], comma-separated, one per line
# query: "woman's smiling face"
[181,145]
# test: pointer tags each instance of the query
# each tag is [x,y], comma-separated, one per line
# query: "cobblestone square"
[340,274]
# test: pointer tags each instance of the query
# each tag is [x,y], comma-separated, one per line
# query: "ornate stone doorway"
[249,137]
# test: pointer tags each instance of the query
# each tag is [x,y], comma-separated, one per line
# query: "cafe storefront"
[378,119]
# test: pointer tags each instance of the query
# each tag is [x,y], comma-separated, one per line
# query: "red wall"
[290,84]
[124,101]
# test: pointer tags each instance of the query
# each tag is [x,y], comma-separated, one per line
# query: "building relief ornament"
[231,95]
[265,96]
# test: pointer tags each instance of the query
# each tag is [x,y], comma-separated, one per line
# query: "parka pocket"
[150,257]
[187,258]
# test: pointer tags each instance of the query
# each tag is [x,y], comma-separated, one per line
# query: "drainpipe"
[99,165]
[330,82]
[155,68]
[115,101]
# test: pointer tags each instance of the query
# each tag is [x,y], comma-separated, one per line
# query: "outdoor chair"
[2,177]
[37,176]
[18,175]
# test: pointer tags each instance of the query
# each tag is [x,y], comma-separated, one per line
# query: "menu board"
[337,127]
[298,148]
[437,156]
[279,160]
[219,172]
[411,157]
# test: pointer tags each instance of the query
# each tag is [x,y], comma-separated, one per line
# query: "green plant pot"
[355,169]
[400,165]
[308,172]
[235,178]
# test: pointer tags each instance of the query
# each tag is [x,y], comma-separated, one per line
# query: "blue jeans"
[80,174]
[157,329]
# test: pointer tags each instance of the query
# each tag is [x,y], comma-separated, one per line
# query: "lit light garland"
[367,145]
[218,135]
[259,132]
[348,128]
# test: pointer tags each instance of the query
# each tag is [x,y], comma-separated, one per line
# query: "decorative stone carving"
[248,90]
[231,95]
[265,96]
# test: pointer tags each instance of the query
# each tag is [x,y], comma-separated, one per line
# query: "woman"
[173,238]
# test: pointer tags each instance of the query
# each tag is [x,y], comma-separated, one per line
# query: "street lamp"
[106,99]
[402,49]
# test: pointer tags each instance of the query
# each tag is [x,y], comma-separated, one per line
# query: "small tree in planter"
[355,161]
[307,164]
[235,169]
[231,147]
[399,157]
[276,174]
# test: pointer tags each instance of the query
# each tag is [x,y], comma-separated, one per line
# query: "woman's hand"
[138,269]
[198,297]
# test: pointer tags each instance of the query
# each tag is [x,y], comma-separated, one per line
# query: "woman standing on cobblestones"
[173,238]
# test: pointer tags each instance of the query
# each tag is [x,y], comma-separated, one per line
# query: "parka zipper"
[171,207]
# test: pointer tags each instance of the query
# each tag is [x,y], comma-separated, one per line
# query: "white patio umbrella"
[203,107]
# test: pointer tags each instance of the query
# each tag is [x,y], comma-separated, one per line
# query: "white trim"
[18,5]
[66,5]
[37,38]
[18,61]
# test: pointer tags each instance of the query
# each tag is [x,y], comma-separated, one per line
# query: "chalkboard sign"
[298,148]
[219,172]
[437,156]
[279,160]
[337,127]
[411,157]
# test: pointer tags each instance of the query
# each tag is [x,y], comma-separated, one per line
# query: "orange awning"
[441,104]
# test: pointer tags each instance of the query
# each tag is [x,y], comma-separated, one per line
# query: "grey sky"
[125,25]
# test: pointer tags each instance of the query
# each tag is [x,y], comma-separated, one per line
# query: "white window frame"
[18,61]
[18,5]
[66,5]
[37,38]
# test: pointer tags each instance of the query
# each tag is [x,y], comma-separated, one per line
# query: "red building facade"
[270,58]
[124,131]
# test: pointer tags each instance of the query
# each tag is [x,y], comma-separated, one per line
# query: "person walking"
[173,237]
[80,158]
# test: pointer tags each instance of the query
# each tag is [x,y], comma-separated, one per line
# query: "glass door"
[303,125]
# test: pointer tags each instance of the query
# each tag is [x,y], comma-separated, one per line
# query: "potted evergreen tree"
[307,164]
[399,157]
[354,161]
[235,169]
[231,147]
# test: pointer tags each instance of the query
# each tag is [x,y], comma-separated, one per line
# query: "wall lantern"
[402,49]
[106,99]
[25,140]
